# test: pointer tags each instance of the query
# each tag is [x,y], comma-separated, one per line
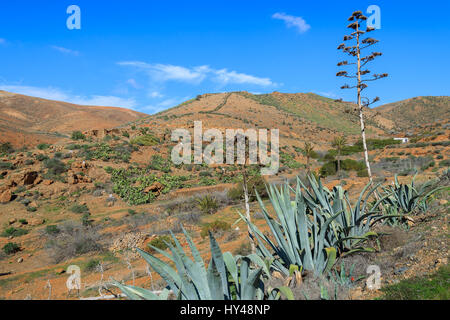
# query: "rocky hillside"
[418,111]
[300,117]
[28,120]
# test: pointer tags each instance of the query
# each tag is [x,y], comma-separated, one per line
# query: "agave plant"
[225,278]
[352,226]
[341,277]
[297,240]
[407,198]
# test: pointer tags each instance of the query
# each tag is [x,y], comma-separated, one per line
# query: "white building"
[403,140]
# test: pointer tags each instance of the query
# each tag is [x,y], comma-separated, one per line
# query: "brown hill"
[417,111]
[300,117]
[28,120]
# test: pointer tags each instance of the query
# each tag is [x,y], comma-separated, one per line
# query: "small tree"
[309,153]
[339,143]
[354,51]
[78,135]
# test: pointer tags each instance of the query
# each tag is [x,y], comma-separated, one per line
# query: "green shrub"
[214,227]
[73,147]
[52,230]
[14,232]
[132,212]
[91,265]
[41,157]
[207,204]
[159,163]
[205,174]
[31,209]
[78,208]
[363,173]
[86,220]
[11,248]
[55,166]
[78,135]
[288,160]
[43,146]
[6,166]
[6,148]
[349,164]
[254,183]
[145,140]
[160,243]
[328,169]
[444,163]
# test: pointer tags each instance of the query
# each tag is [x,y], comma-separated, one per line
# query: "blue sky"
[151,55]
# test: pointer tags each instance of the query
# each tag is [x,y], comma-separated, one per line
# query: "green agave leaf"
[136,293]
[287,292]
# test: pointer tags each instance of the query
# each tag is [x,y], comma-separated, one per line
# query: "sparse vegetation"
[11,248]
[215,227]
[160,242]
[78,135]
[14,232]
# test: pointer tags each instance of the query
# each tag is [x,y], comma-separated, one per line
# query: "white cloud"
[108,101]
[155,94]
[133,83]
[328,94]
[167,72]
[59,95]
[66,51]
[196,75]
[224,76]
[163,105]
[45,93]
[293,22]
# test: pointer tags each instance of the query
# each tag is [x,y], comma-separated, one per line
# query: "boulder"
[72,178]
[36,222]
[156,188]
[6,196]
[47,182]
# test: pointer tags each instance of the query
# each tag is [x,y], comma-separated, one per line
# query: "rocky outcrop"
[156,188]
[73,178]
[24,178]
[6,196]
[129,242]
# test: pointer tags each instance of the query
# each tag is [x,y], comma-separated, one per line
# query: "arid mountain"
[300,117]
[92,201]
[417,111]
[28,120]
